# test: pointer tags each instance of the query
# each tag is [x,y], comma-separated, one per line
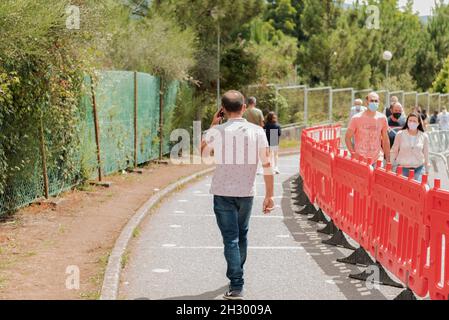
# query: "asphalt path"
[178,254]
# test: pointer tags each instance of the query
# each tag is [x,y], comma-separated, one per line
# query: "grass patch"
[136,232]
[289,144]
[125,259]
[86,187]
[90,295]
[97,280]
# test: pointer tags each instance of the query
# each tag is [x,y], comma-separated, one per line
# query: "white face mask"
[413,126]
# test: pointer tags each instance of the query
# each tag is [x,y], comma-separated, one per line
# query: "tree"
[204,17]
[319,19]
[435,48]
[285,15]
[441,83]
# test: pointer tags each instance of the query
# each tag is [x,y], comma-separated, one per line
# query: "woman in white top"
[411,148]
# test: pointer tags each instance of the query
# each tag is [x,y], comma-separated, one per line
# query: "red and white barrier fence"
[401,222]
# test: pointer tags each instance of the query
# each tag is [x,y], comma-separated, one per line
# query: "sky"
[423,6]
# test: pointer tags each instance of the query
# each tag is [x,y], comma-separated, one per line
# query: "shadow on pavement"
[210,295]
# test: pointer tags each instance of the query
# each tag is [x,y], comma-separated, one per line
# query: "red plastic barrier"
[322,170]
[438,218]
[397,219]
[399,237]
[352,189]
[307,167]
[330,135]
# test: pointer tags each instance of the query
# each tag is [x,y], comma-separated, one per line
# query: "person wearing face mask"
[370,132]
[357,108]
[411,148]
[393,100]
[395,121]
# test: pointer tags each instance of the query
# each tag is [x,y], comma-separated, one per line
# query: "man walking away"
[252,114]
[233,184]
[370,132]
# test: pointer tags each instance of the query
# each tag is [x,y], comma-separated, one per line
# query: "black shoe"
[233,295]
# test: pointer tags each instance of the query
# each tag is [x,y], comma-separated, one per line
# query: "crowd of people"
[392,135]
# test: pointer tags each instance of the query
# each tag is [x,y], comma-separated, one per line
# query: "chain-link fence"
[302,105]
[118,122]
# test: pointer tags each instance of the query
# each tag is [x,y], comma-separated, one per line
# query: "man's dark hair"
[233,101]
[252,101]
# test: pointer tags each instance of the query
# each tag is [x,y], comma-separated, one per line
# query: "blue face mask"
[373,106]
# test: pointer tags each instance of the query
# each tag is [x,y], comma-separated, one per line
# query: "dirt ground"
[39,243]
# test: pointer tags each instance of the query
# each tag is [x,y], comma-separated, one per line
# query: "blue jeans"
[233,216]
[418,173]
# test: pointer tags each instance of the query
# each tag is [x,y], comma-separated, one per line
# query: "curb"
[111,282]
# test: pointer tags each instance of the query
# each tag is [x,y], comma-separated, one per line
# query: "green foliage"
[441,83]
[240,67]
[285,16]
[206,17]
[434,48]
[171,58]
[341,51]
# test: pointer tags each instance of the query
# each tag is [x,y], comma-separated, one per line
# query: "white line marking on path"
[211,215]
[160,270]
[220,248]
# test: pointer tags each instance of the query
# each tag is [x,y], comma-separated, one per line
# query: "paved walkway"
[179,253]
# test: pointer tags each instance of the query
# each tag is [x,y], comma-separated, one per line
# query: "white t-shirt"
[236,147]
[443,120]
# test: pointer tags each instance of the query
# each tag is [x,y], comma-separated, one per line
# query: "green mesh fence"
[23,173]
[169,107]
[88,147]
[147,117]
[115,107]
[115,104]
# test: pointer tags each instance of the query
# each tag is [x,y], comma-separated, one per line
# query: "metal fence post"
[44,158]
[161,118]
[135,118]
[331,115]
[306,106]
[387,101]
[97,130]
[276,88]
